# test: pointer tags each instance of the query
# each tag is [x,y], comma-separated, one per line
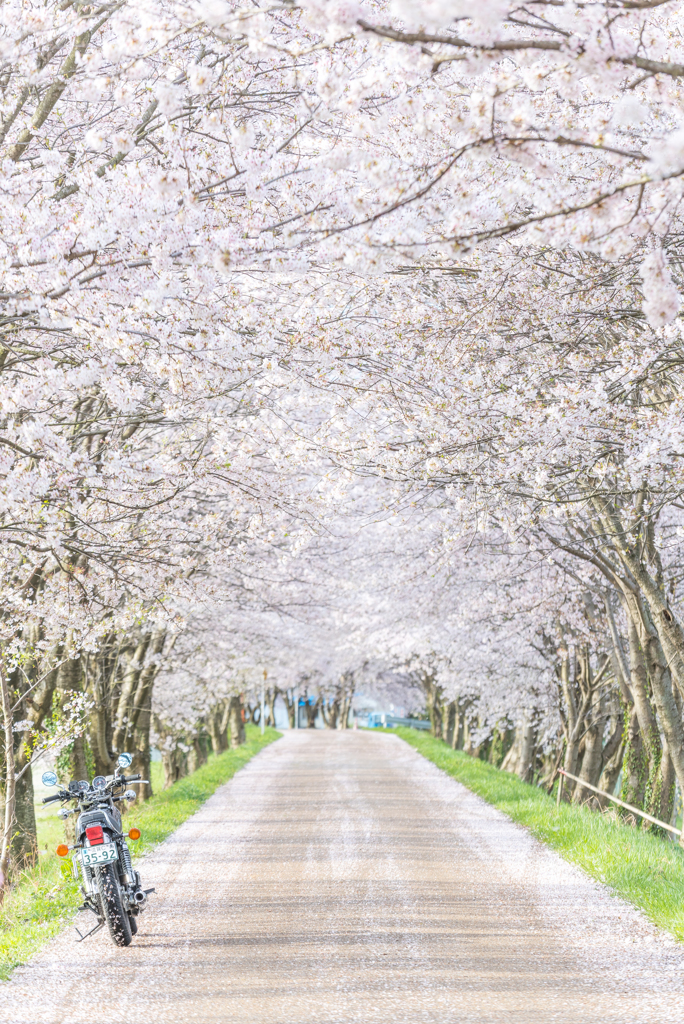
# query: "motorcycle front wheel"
[112,905]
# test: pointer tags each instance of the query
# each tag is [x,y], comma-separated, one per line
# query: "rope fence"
[601,792]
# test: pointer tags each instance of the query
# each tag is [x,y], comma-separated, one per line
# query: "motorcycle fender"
[110,820]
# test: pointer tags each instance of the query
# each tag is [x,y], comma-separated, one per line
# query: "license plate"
[104,854]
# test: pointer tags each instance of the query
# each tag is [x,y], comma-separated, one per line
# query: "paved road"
[341,878]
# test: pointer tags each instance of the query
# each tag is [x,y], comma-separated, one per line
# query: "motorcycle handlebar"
[122,781]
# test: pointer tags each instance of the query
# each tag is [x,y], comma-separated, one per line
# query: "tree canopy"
[342,343]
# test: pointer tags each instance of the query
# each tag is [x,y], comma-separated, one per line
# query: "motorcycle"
[111,887]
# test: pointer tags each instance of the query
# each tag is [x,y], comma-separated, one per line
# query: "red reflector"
[94,834]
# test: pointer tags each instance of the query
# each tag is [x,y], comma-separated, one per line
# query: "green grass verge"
[46,896]
[645,870]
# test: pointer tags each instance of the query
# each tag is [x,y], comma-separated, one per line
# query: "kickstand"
[92,931]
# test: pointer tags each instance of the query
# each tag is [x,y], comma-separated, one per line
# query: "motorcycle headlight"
[130,794]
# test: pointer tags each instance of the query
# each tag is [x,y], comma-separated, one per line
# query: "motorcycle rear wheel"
[112,905]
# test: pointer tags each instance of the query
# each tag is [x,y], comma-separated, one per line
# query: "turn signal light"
[134,833]
[62,850]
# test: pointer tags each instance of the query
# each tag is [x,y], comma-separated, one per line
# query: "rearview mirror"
[124,761]
[49,779]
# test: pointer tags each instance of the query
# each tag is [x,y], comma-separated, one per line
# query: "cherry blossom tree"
[338,340]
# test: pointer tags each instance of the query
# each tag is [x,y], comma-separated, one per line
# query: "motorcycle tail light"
[134,833]
[62,850]
[95,836]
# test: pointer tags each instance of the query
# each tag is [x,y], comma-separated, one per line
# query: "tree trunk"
[572,725]
[433,698]
[635,765]
[126,702]
[69,680]
[142,757]
[34,708]
[348,696]
[592,762]
[664,807]
[610,774]
[511,761]
[236,722]
[613,754]
[25,839]
[140,713]
[669,713]
[197,755]
[271,720]
[330,712]
[101,670]
[654,668]
[311,710]
[527,750]
[449,719]
[461,724]
[10,790]
[650,734]
[502,740]
[659,628]
[174,764]
[103,756]
[217,731]
[291,699]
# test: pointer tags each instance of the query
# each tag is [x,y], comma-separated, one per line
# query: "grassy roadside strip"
[646,871]
[47,896]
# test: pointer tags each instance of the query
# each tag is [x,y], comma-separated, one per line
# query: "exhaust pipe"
[139,896]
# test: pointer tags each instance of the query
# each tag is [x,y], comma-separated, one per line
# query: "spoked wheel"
[115,914]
